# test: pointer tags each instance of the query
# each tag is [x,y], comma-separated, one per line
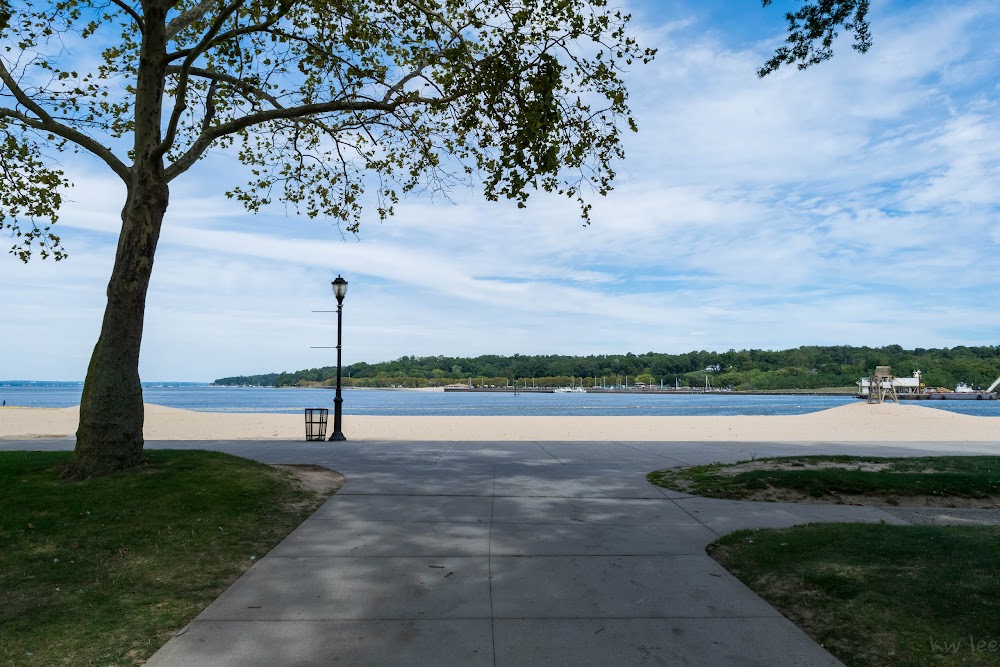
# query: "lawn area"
[938,480]
[104,571]
[880,594]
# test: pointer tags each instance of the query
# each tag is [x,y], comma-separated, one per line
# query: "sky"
[855,203]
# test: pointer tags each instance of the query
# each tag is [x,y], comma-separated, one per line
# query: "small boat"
[572,390]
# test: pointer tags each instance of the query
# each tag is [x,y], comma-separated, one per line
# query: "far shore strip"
[858,422]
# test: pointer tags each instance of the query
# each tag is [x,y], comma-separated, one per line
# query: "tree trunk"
[109,437]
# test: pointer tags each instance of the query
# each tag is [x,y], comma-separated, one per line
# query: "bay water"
[205,398]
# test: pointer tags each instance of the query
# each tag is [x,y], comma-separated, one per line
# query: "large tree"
[336,107]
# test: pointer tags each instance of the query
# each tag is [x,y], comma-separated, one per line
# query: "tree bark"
[109,437]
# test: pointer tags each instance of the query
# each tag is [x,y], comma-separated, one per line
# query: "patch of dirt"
[772,494]
[321,481]
[861,466]
[877,500]
[683,485]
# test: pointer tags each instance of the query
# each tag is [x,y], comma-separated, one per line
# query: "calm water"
[388,402]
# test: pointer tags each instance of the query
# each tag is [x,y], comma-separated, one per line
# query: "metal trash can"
[316,423]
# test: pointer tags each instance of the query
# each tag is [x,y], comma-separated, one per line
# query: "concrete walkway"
[508,553]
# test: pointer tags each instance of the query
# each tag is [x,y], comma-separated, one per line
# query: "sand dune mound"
[856,422]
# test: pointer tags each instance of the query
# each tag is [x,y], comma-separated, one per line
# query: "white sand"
[858,422]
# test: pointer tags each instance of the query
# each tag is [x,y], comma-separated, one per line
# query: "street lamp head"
[339,288]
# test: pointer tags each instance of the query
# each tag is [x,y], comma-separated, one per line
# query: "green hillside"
[808,367]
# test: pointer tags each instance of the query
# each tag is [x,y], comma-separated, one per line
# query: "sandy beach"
[858,422]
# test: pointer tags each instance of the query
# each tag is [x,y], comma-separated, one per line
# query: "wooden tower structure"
[881,386]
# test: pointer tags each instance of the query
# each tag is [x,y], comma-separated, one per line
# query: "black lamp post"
[339,291]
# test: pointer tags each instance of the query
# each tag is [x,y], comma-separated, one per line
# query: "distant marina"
[888,388]
[632,391]
[614,388]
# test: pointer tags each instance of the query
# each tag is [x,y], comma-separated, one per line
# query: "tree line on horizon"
[806,367]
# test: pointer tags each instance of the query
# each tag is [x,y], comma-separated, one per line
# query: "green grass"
[102,572]
[941,476]
[880,594]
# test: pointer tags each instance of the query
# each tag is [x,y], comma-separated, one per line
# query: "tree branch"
[46,123]
[75,136]
[206,138]
[21,96]
[206,122]
[310,45]
[180,103]
[238,32]
[222,77]
[131,12]
[431,14]
[398,86]
[188,17]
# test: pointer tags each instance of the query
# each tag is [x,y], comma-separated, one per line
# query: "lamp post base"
[338,436]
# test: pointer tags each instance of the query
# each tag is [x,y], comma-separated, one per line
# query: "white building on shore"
[910,385]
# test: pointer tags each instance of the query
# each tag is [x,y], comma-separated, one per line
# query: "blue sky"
[854,203]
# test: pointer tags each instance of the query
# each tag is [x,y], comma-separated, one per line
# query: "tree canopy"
[320,99]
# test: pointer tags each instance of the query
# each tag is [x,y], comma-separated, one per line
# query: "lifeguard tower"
[881,385]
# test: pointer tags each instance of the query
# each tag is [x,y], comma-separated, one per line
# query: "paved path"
[508,553]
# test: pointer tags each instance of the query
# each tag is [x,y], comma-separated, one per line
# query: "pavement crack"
[542,447]
[446,453]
